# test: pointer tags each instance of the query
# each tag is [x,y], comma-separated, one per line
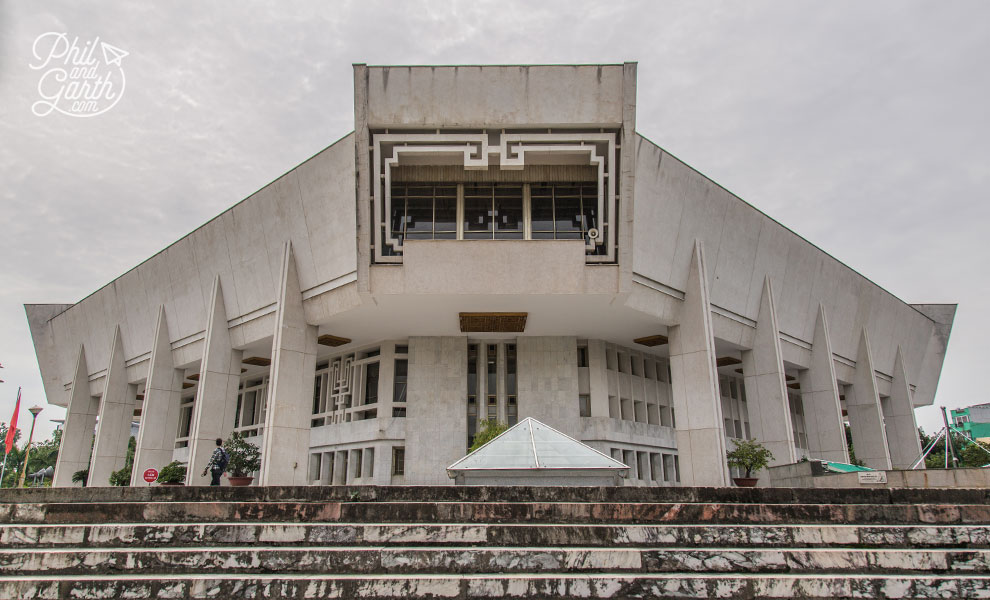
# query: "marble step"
[451,493]
[511,534]
[473,560]
[463,587]
[493,512]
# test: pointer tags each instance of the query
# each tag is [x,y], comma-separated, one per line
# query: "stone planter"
[745,481]
[240,481]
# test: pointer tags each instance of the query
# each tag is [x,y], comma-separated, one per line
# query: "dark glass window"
[563,211]
[424,211]
[371,383]
[401,375]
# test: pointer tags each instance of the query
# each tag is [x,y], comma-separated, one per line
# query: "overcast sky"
[862,126]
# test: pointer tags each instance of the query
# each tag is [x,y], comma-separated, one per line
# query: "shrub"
[487,431]
[748,455]
[173,472]
[245,457]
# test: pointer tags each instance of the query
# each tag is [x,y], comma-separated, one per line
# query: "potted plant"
[748,456]
[245,458]
[174,473]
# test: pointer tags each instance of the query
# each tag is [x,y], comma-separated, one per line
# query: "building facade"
[490,242]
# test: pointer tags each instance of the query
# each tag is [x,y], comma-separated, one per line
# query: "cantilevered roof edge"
[204,224]
[801,237]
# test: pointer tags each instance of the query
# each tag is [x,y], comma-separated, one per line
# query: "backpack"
[224,459]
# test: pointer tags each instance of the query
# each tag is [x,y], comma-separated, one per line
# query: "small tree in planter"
[174,473]
[245,458]
[749,456]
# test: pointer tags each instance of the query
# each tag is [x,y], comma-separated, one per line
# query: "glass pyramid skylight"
[532,445]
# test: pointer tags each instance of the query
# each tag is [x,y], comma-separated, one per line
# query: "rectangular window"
[424,211]
[399,411]
[401,374]
[512,411]
[584,405]
[563,211]
[472,389]
[582,352]
[371,383]
[492,381]
[398,460]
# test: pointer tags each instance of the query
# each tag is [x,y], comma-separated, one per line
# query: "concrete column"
[436,424]
[766,386]
[160,412]
[80,421]
[902,429]
[326,468]
[340,467]
[597,378]
[216,398]
[547,375]
[694,385]
[285,447]
[820,396]
[865,414]
[113,429]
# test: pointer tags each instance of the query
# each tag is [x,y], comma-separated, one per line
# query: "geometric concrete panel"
[766,391]
[820,396]
[287,422]
[160,409]
[865,415]
[80,421]
[694,384]
[113,430]
[216,398]
[902,429]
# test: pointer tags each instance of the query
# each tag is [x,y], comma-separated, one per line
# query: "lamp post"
[34,417]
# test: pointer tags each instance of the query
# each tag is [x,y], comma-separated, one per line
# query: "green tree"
[122,477]
[44,454]
[971,454]
[488,430]
[749,456]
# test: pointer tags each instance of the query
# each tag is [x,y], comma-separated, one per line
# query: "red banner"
[12,430]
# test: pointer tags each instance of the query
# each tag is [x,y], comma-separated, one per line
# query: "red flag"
[12,430]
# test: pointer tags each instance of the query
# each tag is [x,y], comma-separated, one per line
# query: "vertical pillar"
[902,429]
[340,467]
[820,396]
[597,378]
[216,399]
[436,424]
[80,421]
[766,386]
[865,415]
[694,385]
[160,411]
[113,430]
[285,447]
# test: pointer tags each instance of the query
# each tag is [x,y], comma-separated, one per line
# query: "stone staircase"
[484,542]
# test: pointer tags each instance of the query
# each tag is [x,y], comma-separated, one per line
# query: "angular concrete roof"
[532,445]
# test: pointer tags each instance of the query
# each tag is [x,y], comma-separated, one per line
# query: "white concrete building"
[490,241]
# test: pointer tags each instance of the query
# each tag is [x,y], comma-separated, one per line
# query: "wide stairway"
[485,542]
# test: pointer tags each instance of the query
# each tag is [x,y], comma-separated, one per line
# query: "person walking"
[218,463]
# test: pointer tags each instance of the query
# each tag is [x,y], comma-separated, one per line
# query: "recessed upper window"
[493,211]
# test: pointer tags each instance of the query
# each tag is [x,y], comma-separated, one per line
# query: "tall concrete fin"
[820,395]
[80,421]
[160,409]
[287,422]
[902,429]
[865,415]
[216,398]
[694,384]
[113,430]
[766,385]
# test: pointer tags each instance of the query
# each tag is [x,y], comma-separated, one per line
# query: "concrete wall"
[676,205]
[312,205]
[799,476]
[493,96]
